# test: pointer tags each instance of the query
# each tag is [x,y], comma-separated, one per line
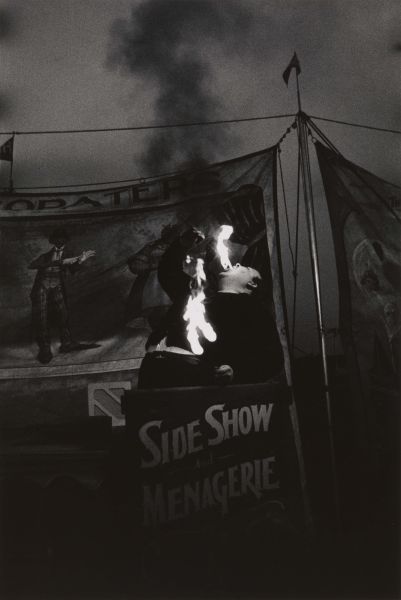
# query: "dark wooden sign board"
[212,463]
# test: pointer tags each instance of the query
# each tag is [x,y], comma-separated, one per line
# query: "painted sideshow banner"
[93,296]
[213,466]
[365,217]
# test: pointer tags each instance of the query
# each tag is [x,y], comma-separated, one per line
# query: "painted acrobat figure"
[49,287]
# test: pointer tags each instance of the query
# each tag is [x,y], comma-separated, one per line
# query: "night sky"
[71,64]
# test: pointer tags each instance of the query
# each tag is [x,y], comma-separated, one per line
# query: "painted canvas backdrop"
[115,298]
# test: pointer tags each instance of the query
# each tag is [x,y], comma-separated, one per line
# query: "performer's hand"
[191,237]
[189,266]
[223,374]
[85,255]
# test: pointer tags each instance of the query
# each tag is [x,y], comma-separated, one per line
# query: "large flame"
[221,247]
[195,312]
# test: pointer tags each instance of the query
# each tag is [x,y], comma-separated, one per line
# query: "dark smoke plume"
[5,105]
[7,22]
[164,43]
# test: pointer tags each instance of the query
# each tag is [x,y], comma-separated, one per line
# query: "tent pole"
[310,216]
[11,183]
[307,511]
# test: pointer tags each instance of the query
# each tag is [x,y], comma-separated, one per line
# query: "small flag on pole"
[6,150]
[294,64]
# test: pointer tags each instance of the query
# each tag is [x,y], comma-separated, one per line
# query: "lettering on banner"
[219,481]
[162,504]
[144,193]
[180,441]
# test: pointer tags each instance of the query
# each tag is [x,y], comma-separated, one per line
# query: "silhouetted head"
[58,237]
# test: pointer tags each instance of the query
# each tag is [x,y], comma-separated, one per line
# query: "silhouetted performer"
[247,349]
[49,287]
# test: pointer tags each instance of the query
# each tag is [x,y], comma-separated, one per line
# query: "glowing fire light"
[195,312]
[221,247]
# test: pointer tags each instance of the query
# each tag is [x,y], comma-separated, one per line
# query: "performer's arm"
[47,260]
[75,262]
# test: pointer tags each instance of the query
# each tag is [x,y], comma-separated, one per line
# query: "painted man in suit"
[49,287]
